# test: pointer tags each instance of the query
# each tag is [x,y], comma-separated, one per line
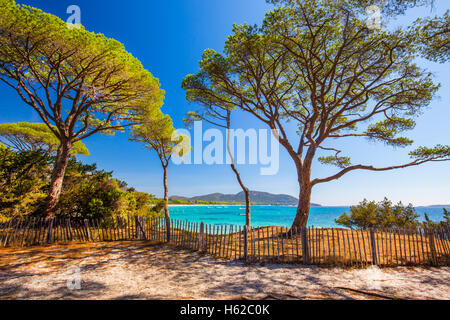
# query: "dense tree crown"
[23,136]
[322,68]
[159,134]
[79,82]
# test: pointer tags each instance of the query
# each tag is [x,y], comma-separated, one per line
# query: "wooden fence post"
[136,227]
[374,247]
[7,233]
[168,233]
[49,233]
[432,246]
[139,227]
[245,242]
[305,250]
[201,236]
[86,225]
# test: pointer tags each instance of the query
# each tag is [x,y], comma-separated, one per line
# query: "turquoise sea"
[272,215]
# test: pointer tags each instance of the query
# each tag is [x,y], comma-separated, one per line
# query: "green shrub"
[92,193]
[369,214]
[87,192]
[22,181]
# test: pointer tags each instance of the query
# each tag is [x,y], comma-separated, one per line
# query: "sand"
[138,270]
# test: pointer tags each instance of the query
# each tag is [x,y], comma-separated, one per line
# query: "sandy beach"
[138,270]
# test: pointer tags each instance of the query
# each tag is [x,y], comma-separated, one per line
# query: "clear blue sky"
[169,38]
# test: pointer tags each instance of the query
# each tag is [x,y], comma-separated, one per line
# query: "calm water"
[272,215]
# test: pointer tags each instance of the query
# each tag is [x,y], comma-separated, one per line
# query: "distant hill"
[436,206]
[255,197]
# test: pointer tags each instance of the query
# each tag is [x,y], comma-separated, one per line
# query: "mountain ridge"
[255,197]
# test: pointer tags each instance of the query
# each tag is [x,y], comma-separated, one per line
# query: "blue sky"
[169,38]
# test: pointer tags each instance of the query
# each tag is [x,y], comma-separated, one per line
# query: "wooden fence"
[309,246]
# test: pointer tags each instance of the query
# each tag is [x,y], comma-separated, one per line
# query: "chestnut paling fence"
[309,246]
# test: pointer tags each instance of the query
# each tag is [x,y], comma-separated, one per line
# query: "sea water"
[273,215]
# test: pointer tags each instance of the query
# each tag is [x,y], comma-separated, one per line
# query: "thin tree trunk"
[166,204]
[59,169]
[247,196]
[236,172]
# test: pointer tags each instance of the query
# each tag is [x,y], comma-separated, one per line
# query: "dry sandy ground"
[149,271]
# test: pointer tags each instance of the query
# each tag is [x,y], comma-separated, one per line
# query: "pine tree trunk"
[166,204]
[304,199]
[247,196]
[303,207]
[59,169]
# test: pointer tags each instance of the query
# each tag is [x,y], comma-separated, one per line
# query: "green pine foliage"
[23,183]
[428,223]
[384,214]
[34,136]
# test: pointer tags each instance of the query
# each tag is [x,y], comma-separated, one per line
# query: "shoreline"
[206,205]
[243,205]
[228,205]
[281,205]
